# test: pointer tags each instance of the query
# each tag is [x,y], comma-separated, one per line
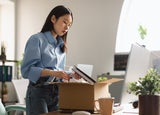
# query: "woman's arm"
[58,74]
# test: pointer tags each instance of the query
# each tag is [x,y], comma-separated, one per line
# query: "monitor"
[139,61]
[156,60]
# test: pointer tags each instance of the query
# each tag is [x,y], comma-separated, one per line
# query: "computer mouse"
[135,104]
[81,113]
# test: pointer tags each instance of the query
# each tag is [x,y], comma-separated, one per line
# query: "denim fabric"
[41,99]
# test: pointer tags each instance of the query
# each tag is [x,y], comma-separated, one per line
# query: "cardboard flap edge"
[112,80]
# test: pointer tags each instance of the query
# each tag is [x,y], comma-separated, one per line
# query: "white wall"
[7,34]
[92,37]
[7,27]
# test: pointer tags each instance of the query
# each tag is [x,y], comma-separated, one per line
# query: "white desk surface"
[127,110]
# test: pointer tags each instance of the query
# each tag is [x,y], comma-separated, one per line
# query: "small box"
[82,96]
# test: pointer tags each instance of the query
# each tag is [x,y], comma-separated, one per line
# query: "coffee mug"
[104,106]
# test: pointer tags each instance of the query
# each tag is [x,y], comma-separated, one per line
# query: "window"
[7,28]
[135,13]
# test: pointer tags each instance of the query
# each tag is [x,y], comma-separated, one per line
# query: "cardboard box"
[82,96]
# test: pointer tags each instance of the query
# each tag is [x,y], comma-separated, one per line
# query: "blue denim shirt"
[42,51]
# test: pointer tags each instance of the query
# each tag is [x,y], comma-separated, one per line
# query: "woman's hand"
[61,74]
[76,76]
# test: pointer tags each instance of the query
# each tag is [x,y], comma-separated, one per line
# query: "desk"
[58,113]
[127,110]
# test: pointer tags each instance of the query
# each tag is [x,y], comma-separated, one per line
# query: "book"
[84,75]
[5,73]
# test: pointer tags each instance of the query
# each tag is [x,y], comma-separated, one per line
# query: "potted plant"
[147,89]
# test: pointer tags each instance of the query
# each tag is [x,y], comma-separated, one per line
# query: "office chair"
[5,110]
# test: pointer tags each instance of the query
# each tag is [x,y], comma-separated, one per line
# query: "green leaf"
[142,31]
[147,85]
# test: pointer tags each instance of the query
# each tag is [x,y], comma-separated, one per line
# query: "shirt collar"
[52,40]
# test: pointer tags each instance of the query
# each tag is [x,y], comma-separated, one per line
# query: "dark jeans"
[41,99]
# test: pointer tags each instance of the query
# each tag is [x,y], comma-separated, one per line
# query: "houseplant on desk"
[147,89]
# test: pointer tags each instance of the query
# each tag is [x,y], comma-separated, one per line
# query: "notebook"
[85,71]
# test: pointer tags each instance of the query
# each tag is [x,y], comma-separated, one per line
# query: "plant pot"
[149,105]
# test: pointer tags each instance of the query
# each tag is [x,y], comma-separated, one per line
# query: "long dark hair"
[58,11]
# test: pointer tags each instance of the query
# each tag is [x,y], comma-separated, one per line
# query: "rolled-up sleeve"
[32,55]
[42,51]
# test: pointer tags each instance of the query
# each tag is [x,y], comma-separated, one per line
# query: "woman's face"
[61,25]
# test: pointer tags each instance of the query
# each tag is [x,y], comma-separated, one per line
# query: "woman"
[44,60]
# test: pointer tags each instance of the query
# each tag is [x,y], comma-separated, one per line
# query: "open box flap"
[109,81]
[68,83]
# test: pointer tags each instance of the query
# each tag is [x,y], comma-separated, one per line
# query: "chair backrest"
[20,86]
[2,109]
